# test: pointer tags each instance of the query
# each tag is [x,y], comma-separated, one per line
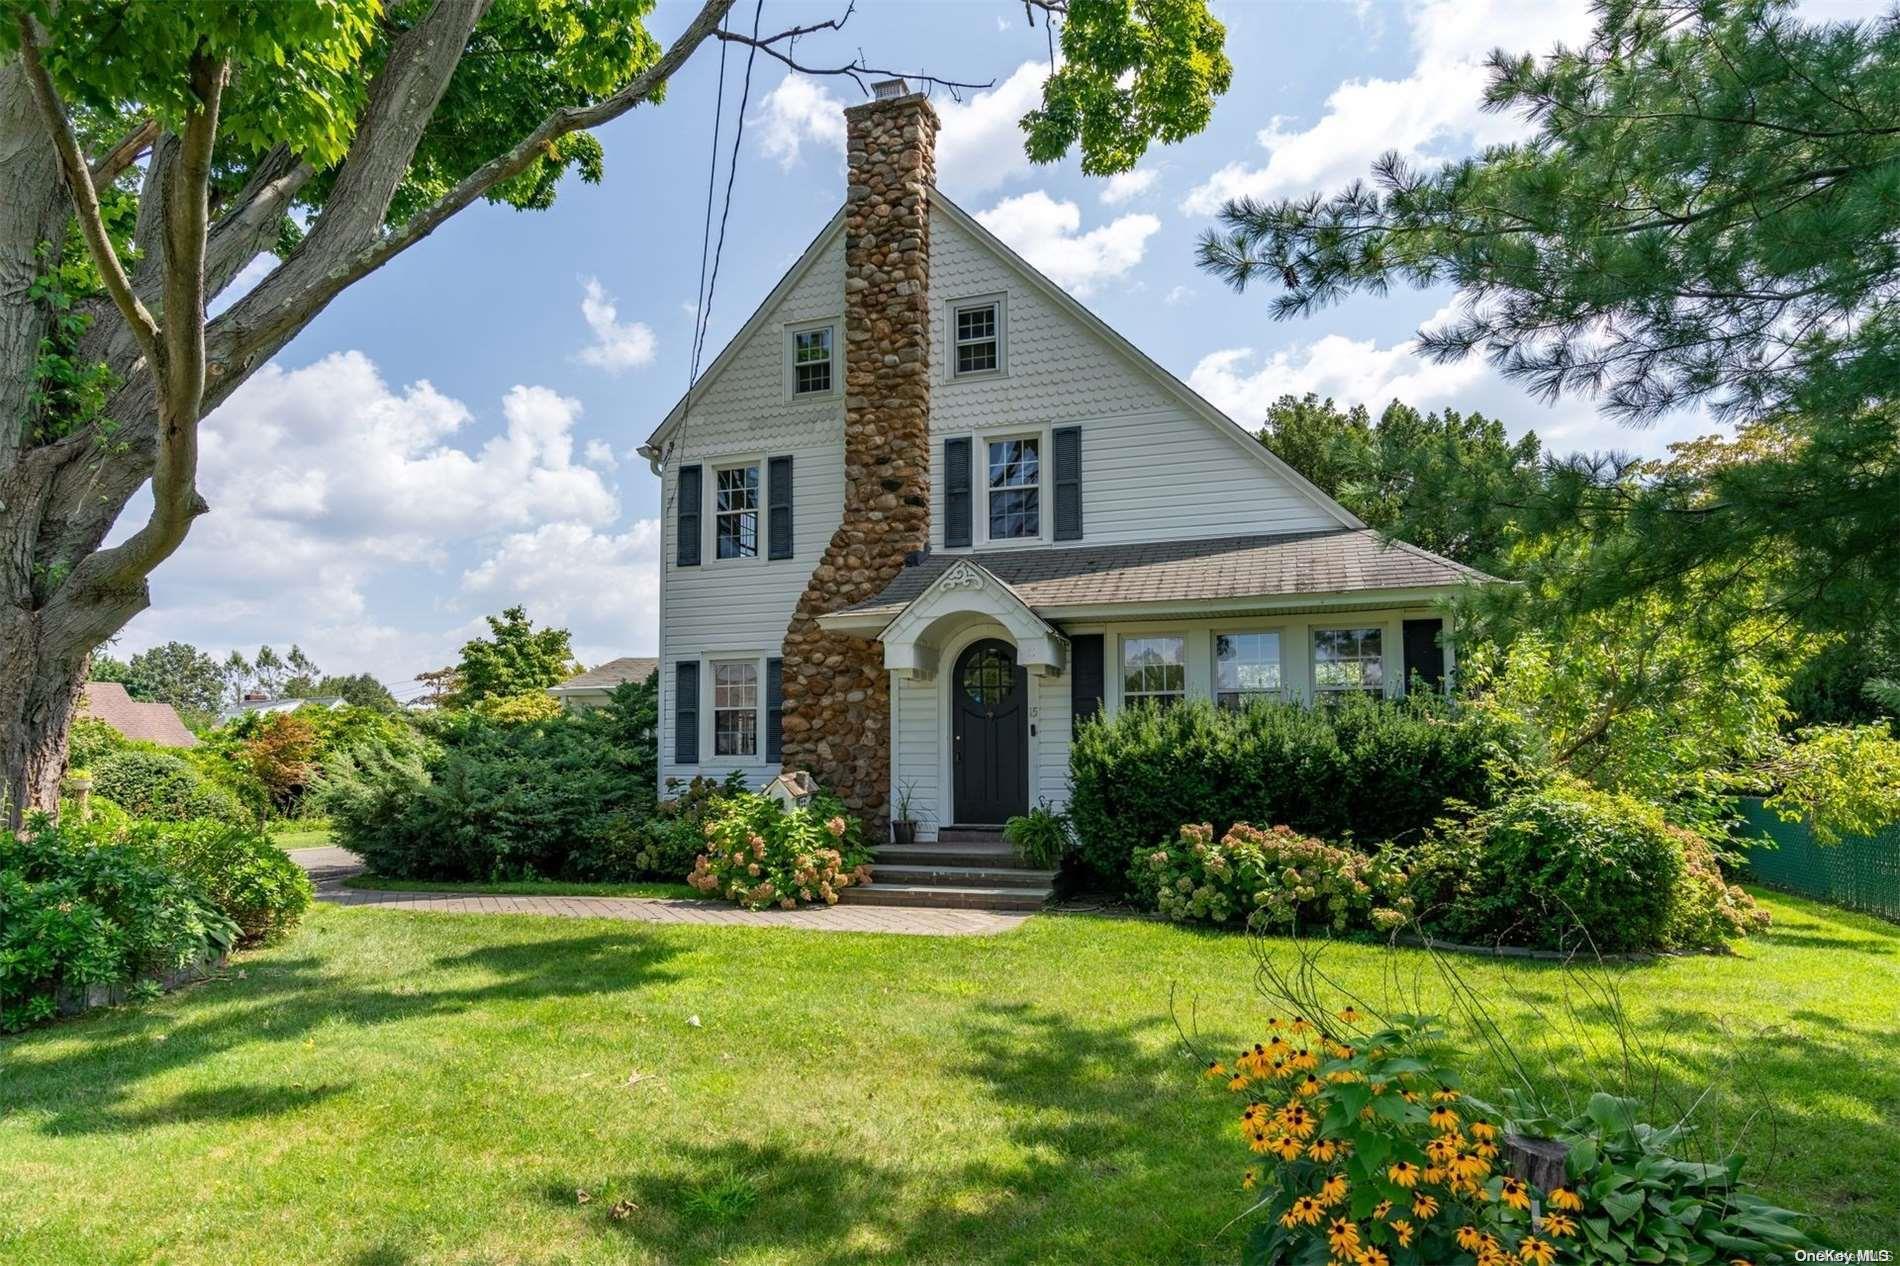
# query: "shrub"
[1274,878]
[148,783]
[76,912]
[521,709]
[251,879]
[1364,769]
[760,855]
[1565,866]
[663,846]
[1371,1153]
[472,798]
[1708,909]
[89,741]
[1042,837]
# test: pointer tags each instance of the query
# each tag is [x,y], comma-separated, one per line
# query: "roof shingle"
[615,672]
[136,719]
[1290,564]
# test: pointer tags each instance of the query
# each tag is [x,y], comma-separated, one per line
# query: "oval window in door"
[989,677]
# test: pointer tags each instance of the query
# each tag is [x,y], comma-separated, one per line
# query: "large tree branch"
[85,196]
[269,316]
[125,153]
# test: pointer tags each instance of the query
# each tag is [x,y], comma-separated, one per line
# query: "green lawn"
[287,837]
[394,1088]
[523,888]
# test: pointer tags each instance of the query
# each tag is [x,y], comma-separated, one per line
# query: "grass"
[525,888]
[288,838]
[388,1088]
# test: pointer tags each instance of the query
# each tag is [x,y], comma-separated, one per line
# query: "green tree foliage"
[1444,481]
[359,689]
[516,659]
[180,674]
[1132,72]
[1709,213]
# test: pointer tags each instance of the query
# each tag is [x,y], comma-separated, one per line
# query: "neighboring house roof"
[1190,399]
[135,718]
[249,706]
[615,672]
[1298,565]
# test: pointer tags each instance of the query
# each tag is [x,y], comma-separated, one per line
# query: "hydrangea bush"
[1273,878]
[760,855]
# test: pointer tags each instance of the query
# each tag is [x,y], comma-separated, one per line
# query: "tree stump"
[1539,1162]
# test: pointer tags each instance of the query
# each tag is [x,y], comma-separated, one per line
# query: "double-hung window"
[1154,669]
[1348,661]
[1015,481]
[735,708]
[736,513]
[977,346]
[1246,668]
[811,361]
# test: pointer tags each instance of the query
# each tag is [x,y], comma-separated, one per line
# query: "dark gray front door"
[989,733]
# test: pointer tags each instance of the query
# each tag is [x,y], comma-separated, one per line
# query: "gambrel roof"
[1191,401]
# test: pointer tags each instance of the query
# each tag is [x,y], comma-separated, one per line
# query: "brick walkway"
[329,867]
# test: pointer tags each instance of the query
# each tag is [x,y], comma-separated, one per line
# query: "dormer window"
[811,361]
[976,338]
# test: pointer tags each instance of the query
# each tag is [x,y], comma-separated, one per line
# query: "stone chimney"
[836,695]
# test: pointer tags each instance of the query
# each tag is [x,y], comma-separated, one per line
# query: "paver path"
[329,867]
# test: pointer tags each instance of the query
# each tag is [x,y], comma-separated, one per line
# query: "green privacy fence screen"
[1861,872]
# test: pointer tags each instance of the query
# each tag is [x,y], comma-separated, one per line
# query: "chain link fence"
[1861,872]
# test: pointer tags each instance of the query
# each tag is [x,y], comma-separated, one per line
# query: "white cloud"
[617,347]
[1046,233]
[798,111]
[1179,294]
[570,574]
[325,481]
[1433,113]
[1128,185]
[1242,383]
[981,142]
[600,455]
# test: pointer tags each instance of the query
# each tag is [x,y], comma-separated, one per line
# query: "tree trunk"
[35,709]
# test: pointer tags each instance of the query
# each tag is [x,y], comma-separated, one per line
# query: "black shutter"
[774,704]
[1424,653]
[1067,441]
[691,489]
[686,712]
[956,492]
[778,507]
[1085,676]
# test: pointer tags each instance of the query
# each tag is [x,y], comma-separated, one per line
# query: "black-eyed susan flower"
[1238,1082]
[1404,1173]
[1536,1252]
[1403,1231]
[1471,1168]
[1297,1120]
[1325,1151]
[1444,1120]
[1470,1238]
[1410,1096]
[1369,1256]
[1564,1198]
[1513,1192]
[1342,1234]
[1349,1014]
[1334,1189]
[1248,1180]
[1444,1096]
[1304,1211]
[1483,1130]
[1309,1085]
[1424,1207]
[1289,1149]
[1215,1069]
[1559,1224]
[1301,1024]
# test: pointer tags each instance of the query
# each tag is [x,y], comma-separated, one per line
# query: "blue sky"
[455,434]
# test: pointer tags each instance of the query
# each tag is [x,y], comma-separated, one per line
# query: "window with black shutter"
[1066,441]
[1086,683]
[956,492]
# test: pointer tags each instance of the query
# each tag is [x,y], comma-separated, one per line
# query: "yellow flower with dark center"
[1334,1189]
[1310,1085]
[1404,1173]
[1559,1224]
[1278,1068]
[1536,1252]
[1445,1096]
[1263,1142]
[1483,1130]
[1350,1015]
[1470,1239]
[1324,1151]
[1343,1236]
[1444,1120]
[1278,1045]
[1564,1198]
[1434,1173]
[1403,1230]
[1297,1120]
[1300,1024]
[1514,1193]
[1215,1069]
[1410,1096]
[1247,1180]
[1274,1022]
[1424,1206]
[1371,1257]
[1442,1151]
[1237,1082]
[1304,1211]
[1289,1149]
[1471,1168]
[1305,1059]
[1486,1150]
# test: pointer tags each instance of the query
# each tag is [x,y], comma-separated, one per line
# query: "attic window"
[811,361]
[977,338]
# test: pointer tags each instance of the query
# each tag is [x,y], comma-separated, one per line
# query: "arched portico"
[965,596]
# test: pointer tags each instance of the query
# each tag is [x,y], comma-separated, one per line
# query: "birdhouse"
[792,789]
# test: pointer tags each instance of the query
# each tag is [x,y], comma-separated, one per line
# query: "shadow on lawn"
[279,1001]
[1101,1122]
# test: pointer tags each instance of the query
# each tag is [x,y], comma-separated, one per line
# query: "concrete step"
[964,876]
[952,854]
[940,896]
[963,833]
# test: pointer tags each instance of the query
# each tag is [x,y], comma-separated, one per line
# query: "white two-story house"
[926,513]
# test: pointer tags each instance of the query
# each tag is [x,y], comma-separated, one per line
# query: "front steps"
[968,867]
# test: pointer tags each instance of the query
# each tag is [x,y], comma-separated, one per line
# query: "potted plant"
[904,821]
